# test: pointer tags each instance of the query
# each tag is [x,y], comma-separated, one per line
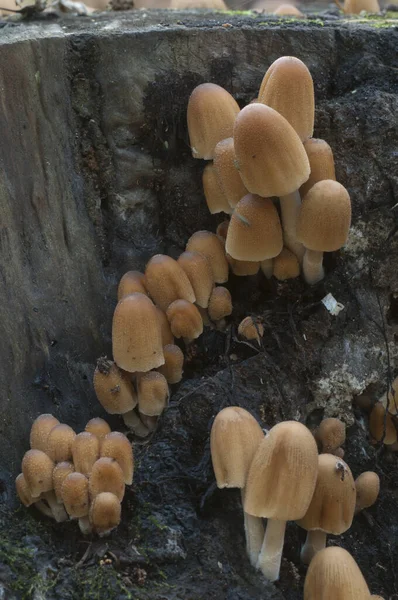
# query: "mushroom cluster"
[263,151]
[78,476]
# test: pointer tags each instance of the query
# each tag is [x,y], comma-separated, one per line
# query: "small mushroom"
[228,175]
[330,435]
[355,7]
[40,430]
[105,513]
[153,396]
[115,445]
[390,400]
[37,469]
[85,451]
[59,443]
[166,281]
[286,265]
[285,10]
[215,198]
[210,245]
[27,499]
[167,336]
[173,365]
[368,487]
[321,160]
[185,320]
[381,425]
[222,230]
[60,473]
[133,422]
[251,330]
[198,270]
[220,306]
[74,492]
[131,282]
[98,427]
[106,476]
[113,388]
[243,268]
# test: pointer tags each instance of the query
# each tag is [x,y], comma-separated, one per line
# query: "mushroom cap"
[199,273]
[321,160]
[325,217]
[60,473]
[74,493]
[131,282]
[215,197]
[113,387]
[153,394]
[115,445]
[354,7]
[227,173]
[333,503]
[243,268]
[288,88]
[37,469]
[59,443]
[286,266]
[23,491]
[390,400]
[250,330]
[211,115]
[105,512]
[185,320]
[98,427]
[106,476]
[283,473]
[208,244]
[288,10]
[333,574]
[167,336]
[381,425]
[234,438]
[220,304]
[136,334]
[85,451]
[40,430]
[270,156]
[166,281]
[330,434]
[367,485]
[254,232]
[194,4]
[222,230]
[173,363]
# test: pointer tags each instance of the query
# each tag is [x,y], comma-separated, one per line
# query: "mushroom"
[272,162]
[113,388]
[211,115]
[222,230]
[166,281]
[133,422]
[286,265]
[220,306]
[243,268]
[367,485]
[74,492]
[323,225]
[153,396]
[332,506]
[131,282]
[27,499]
[212,248]
[185,320]
[37,469]
[234,438]
[59,443]
[390,400]
[330,434]
[98,427]
[60,473]
[321,160]
[214,5]
[334,575]
[381,425]
[251,329]
[280,486]
[85,451]
[228,175]
[200,275]
[215,198]
[105,513]
[167,336]
[40,430]
[136,334]
[173,365]
[355,7]
[267,267]
[115,445]
[106,476]
[285,10]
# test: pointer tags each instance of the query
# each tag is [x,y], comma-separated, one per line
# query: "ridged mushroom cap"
[215,197]
[115,445]
[211,115]
[220,304]
[325,217]
[37,469]
[166,281]
[130,283]
[243,268]
[136,334]
[208,244]
[106,476]
[167,336]
[74,493]
[367,485]
[381,425]
[40,430]
[105,513]
[98,427]
[113,387]
[60,473]
[172,369]
[254,232]
[153,394]
[283,473]
[85,451]
[228,175]
[270,156]
[330,434]
[59,443]
[321,160]
[199,273]
[250,330]
[185,320]
[288,88]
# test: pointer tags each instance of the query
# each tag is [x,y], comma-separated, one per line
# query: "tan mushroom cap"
[105,512]
[23,491]
[153,394]
[98,427]
[270,156]
[113,388]
[199,273]
[243,268]
[250,330]
[60,473]
[85,451]
[286,266]
[288,10]
[211,115]
[37,469]
[321,160]
[334,575]
[167,336]
[115,445]
[228,175]
[194,4]
[234,438]
[40,430]
[136,334]
[283,473]
[172,369]
[215,197]
[166,281]
[325,217]
[255,231]
[59,443]
[354,7]
[134,423]
[390,400]
[106,476]
[368,487]
[288,88]
[222,229]
[131,282]
[220,304]
[381,425]
[185,320]
[74,493]
[330,434]
[208,244]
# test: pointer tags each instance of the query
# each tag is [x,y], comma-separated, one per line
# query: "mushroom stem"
[149,422]
[254,532]
[85,525]
[312,266]
[43,508]
[290,208]
[315,541]
[267,267]
[134,423]
[269,560]
[57,509]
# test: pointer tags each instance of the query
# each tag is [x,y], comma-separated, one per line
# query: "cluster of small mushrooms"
[282,477]
[77,476]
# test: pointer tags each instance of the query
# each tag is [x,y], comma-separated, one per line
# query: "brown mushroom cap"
[153,394]
[321,160]
[199,273]
[167,336]
[185,320]
[243,268]
[166,281]
[330,434]
[60,473]
[286,266]
[288,88]
[115,445]
[355,7]
[283,473]
[325,217]
[222,230]
[74,493]
[23,491]
[37,469]
[254,232]
[220,304]
[106,476]
[270,156]
[228,175]
[98,427]
[173,363]
[40,430]
[136,334]
[85,451]
[105,512]
[390,400]
[251,330]
[131,282]
[334,575]
[381,425]
[59,443]
[288,10]
[211,115]
[212,248]
[368,487]
[113,388]
[215,197]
